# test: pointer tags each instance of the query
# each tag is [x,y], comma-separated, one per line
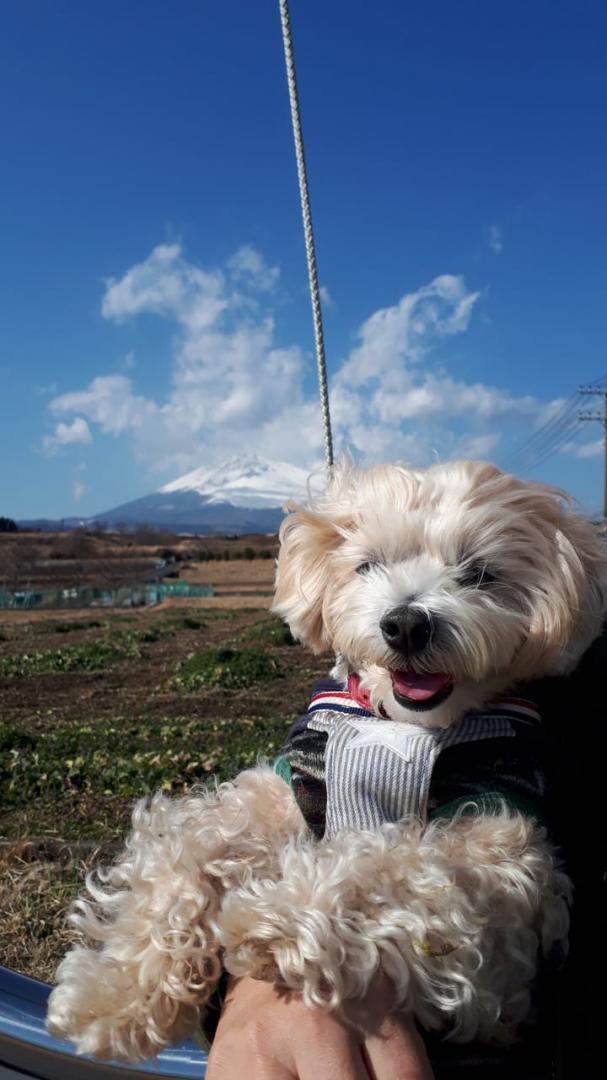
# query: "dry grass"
[35,893]
[248,574]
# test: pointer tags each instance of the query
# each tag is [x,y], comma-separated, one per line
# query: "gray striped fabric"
[379,771]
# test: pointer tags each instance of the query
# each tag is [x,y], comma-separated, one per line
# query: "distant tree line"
[204,555]
[8,525]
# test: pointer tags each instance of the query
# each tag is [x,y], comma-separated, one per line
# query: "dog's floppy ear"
[307,539]
[571,608]
[583,557]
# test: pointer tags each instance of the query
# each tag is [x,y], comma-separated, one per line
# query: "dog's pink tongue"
[418,687]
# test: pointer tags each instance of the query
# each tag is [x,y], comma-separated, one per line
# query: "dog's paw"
[93,1007]
[317,948]
[104,1010]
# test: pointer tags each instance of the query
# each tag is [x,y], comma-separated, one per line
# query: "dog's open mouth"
[420,692]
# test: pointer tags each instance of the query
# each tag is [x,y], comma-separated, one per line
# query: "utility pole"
[598,391]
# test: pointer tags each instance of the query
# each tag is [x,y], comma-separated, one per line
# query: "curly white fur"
[155,915]
[456,913]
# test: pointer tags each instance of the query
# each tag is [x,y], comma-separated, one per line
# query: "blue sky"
[154,307]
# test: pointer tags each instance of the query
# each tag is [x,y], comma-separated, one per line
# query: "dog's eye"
[366,566]
[476,575]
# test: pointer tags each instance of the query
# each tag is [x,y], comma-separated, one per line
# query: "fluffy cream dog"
[437,590]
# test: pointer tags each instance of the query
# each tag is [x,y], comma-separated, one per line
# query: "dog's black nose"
[406,629]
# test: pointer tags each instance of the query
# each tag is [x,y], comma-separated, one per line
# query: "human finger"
[396,1051]
[234,1059]
[338,1057]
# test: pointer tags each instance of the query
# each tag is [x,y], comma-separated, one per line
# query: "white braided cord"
[306,214]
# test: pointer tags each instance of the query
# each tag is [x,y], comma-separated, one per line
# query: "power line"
[564,435]
[536,442]
[545,431]
[566,426]
[559,429]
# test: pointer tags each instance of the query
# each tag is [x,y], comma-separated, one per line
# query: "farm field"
[100,708]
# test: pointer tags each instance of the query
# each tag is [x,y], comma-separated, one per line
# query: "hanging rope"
[306,214]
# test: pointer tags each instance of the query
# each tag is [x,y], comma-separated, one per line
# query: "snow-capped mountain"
[245,494]
[246,480]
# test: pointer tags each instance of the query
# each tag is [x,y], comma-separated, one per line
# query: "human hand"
[267,1034]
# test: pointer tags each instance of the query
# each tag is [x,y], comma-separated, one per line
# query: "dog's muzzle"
[409,631]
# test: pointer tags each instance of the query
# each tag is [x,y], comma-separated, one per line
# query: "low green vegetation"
[71,626]
[116,757]
[233,669]
[115,646]
[269,632]
[91,656]
[77,624]
[190,622]
[153,633]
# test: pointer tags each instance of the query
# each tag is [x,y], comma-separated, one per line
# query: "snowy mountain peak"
[192,481]
[245,480]
[244,466]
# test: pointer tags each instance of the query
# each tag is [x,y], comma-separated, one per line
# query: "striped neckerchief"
[379,770]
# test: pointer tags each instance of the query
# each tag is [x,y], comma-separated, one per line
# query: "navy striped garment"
[351,769]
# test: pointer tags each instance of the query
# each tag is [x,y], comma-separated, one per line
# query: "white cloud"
[547,411]
[584,450]
[476,446]
[247,264]
[230,379]
[495,237]
[67,434]
[165,284]
[78,490]
[234,386]
[383,385]
[442,395]
[403,333]
[325,296]
[107,401]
